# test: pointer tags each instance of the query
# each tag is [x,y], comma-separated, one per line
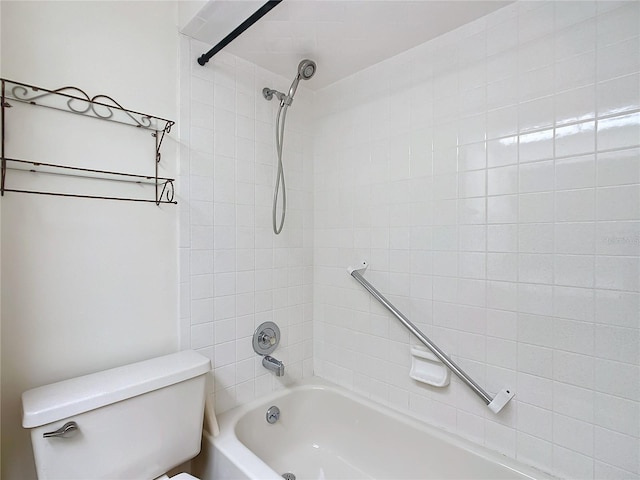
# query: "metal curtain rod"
[495,404]
[261,12]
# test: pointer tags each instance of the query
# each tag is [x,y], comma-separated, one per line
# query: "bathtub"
[326,432]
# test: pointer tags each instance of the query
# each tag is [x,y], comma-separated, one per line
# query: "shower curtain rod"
[261,12]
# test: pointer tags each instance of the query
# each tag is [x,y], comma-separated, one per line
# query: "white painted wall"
[88,284]
[491,178]
[0,261]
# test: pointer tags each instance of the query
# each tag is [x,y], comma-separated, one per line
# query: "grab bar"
[494,403]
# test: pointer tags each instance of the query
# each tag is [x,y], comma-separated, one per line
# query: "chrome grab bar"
[495,403]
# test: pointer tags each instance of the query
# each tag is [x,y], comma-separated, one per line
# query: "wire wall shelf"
[100,107]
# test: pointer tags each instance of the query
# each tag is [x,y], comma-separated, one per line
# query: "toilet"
[133,422]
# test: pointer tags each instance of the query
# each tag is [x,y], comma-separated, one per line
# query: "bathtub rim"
[254,467]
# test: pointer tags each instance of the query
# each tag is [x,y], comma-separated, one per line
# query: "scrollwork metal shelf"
[101,107]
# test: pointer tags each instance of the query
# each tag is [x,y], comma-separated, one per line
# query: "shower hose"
[280,120]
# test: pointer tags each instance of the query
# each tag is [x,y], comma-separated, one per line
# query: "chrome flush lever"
[69,429]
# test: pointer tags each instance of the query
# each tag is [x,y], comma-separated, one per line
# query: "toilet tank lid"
[60,400]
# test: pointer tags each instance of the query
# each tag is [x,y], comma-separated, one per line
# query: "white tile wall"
[494,187]
[234,272]
[491,178]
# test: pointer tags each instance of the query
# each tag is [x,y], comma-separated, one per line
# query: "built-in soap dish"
[426,368]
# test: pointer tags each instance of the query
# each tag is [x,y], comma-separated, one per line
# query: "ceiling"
[342,37]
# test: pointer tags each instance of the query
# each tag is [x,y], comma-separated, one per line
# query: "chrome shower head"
[306,69]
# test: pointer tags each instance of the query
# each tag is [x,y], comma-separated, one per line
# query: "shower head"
[306,69]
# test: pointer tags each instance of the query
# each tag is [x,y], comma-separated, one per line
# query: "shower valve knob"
[266,338]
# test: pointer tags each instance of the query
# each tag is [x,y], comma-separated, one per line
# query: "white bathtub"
[325,432]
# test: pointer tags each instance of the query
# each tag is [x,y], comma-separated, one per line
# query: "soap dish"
[426,368]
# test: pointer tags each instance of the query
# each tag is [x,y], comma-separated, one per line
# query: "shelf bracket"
[3,167]
[159,137]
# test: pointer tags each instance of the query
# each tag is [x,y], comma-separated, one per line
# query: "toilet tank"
[134,422]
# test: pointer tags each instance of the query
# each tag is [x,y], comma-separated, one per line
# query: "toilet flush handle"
[67,430]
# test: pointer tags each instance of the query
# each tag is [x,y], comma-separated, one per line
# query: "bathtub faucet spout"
[274,365]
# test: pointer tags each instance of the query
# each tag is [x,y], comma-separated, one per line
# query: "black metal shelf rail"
[239,30]
[101,107]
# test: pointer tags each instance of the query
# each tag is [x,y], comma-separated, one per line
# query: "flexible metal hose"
[280,121]
[306,70]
